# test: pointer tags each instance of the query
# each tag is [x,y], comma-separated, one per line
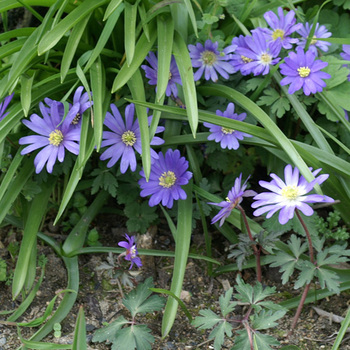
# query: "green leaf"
[263,341]
[138,301]
[306,275]
[226,305]
[184,64]
[134,337]
[52,37]
[183,239]
[207,319]
[165,31]
[143,46]
[35,216]
[111,7]
[130,14]
[79,341]
[72,45]
[242,341]
[278,103]
[328,279]
[267,319]
[109,332]
[105,35]
[219,332]
[106,180]
[26,92]
[140,215]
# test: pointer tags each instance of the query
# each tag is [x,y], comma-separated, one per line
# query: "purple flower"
[152,74]
[289,195]
[125,138]
[210,61]
[3,106]
[228,138]
[320,32]
[80,100]
[55,135]
[131,251]
[303,71]
[258,54]
[236,60]
[346,53]
[168,174]
[282,27]
[234,198]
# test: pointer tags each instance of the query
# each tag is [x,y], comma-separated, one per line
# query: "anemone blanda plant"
[228,138]
[288,195]
[125,138]
[210,61]
[303,71]
[282,27]
[233,200]
[131,253]
[152,74]
[258,54]
[55,135]
[168,173]
[320,32]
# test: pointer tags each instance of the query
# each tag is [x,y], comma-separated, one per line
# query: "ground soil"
[101,298]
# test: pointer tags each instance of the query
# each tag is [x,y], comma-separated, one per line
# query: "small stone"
[2,341]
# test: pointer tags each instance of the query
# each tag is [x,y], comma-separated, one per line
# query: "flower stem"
[300,307]
[311,250]
[307,287]
[256,250]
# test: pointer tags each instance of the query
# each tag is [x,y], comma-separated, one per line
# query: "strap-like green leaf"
[183,239]
[136,87]
[35,216]
[26,93]
[79,341]
[130,14]
[165,31]
[184,64]
[142,48]
[51,38]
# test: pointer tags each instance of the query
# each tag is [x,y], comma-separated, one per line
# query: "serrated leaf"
[307,273]
[286,263]
[267,319]
[207,319]
[241,341]
[134,337]
[245,291]
[218,333]
[109,332]
[138,300]
[226,305]
[263,341]
[140,216]
[278,103]
[105,180]
[328,279]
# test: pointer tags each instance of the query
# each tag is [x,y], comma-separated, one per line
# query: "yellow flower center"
[76,119]
[278,33]
[167,179]
[246,59]
[208,57]
[132,251]
[233,204]
[56,137]
[170,76]
[291,192]
[313,41]
[129,138]
[304,71]
[266,58]
[227,131]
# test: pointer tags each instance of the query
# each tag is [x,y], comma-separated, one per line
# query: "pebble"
[2,341]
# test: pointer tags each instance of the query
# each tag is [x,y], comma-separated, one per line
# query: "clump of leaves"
[3,269]
[331,228]
[292,256]
[129,335]
[260,315]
